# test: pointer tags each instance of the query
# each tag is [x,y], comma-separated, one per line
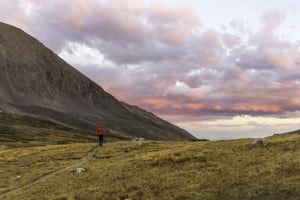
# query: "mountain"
[294,132]
[34,81]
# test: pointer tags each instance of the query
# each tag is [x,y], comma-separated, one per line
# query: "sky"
[219,69]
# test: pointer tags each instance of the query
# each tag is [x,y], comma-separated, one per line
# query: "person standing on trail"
[101,134]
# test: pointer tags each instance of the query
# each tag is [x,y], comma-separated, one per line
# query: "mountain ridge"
[36,82]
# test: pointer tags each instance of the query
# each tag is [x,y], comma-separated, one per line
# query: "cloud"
[12,12]
[272,20]
[166,60]
[172,25]
[230,40]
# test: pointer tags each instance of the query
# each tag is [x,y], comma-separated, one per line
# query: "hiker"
[101,134]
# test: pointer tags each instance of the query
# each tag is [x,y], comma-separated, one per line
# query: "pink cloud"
[221,73]
[272,20]
[231,40]
[12,13]
[172,25]
[195,106]
[287,60]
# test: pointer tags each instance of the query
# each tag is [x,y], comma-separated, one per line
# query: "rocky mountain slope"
[35,81]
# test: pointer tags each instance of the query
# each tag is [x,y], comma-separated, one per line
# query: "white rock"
[79,170]
[260,142]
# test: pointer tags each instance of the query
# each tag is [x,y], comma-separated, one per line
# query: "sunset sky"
[219,69]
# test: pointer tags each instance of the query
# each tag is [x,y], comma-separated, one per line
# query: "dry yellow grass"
[23,165]
[159,170]
[25,131]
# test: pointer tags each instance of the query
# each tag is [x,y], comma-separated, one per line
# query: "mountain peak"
[35,81]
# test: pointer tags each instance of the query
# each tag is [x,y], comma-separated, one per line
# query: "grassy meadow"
[156,170]
[24,131]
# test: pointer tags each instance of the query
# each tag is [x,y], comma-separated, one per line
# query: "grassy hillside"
[16,130]
[155,170]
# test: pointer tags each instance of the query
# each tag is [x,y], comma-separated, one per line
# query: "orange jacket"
[101,130]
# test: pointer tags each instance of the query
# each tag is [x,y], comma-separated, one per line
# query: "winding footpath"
[82,160]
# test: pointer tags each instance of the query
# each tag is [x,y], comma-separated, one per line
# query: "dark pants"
[100,140]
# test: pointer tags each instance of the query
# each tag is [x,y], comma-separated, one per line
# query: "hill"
[25,131]
[34,81]
[294,132]
[155,170]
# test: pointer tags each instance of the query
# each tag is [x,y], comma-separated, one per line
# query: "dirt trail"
[82,160]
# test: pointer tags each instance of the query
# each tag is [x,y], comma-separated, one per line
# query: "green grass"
[158,170]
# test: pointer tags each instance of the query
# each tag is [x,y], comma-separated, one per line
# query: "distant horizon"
[228,69]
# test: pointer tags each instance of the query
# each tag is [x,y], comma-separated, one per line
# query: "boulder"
[260,142]
[79,170]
